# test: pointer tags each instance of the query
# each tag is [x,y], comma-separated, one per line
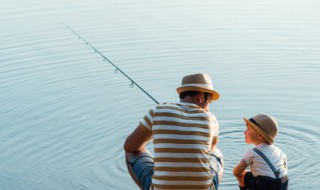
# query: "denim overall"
[266,182]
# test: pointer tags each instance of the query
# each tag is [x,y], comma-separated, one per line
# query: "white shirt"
[259,166]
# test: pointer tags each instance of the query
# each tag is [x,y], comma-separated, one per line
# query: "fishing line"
[133,83]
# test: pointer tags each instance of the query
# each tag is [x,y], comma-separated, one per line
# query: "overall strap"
[276,173]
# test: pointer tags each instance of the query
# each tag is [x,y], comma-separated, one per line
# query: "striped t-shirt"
[182,137]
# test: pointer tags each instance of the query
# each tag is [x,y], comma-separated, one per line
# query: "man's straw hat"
[198,82]
[265,124]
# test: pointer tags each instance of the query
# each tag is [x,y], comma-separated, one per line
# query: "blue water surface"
[65,113]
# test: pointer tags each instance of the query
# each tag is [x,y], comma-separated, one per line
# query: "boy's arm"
[240,171]
[240,168]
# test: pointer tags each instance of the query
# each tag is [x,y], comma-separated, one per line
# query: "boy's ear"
[260,136]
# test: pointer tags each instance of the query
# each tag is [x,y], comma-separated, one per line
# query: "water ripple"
[65,114]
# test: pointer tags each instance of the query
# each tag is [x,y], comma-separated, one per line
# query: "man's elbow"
[126,147]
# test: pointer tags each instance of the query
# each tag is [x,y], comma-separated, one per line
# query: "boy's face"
[251,135]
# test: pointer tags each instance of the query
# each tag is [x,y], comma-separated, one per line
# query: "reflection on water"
[65,114]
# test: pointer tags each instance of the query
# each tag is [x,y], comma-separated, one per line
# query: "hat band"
[207,86]
[253,121]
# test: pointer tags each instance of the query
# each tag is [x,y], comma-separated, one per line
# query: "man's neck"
[191,100]
[188,99]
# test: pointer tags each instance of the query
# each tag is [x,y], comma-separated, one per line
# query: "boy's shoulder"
[270,150]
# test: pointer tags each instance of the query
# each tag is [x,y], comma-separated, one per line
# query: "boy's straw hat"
[198,82]
[265,124]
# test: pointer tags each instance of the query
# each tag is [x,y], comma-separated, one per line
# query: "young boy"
[261,131]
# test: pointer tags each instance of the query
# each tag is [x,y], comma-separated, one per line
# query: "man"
[184,135]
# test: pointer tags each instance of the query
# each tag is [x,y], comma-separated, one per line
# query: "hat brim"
[270,140]
[215,95]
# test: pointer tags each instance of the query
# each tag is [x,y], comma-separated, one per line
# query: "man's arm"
[138,139]
[214,142]
[135,145]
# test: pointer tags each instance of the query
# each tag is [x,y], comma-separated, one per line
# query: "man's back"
[182,134]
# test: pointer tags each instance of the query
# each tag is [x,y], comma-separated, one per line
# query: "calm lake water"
[65,113]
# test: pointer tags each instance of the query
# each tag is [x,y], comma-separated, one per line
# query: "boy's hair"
[258,133]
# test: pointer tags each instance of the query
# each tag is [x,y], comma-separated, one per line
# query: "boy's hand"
[241,179]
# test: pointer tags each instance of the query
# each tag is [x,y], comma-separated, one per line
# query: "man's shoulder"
[178,105]
[167,105]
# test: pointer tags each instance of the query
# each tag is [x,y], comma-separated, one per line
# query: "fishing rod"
[114,65]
